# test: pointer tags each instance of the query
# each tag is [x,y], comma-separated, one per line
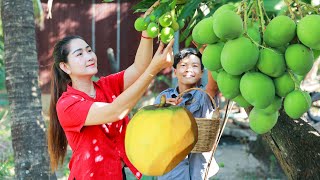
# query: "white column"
[93,26]
[118,33]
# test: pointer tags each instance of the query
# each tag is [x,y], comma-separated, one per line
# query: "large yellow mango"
[159,137]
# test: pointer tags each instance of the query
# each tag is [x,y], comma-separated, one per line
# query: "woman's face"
[188,71]
[82,61]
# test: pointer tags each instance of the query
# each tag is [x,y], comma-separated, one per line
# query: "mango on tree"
[229,84]
[258,89]
[308,31]
[299,59]
[223,8]
[228,25]
[211,56]
[296,103]
[284,84]
[274,106]
[261,122]
[280,31]
[253,31]
[241,101]
[203,32]
[271,62]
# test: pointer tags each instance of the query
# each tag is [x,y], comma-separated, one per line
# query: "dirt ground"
[237,163]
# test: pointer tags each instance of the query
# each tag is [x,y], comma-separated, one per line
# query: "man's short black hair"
[185,53]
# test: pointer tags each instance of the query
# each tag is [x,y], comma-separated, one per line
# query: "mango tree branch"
[290,10]
[261,16]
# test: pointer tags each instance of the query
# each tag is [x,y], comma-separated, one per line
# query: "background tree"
[28,127]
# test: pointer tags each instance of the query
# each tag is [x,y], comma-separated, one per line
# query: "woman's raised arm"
[101,113]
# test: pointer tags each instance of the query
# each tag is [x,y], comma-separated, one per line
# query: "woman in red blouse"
[92,116]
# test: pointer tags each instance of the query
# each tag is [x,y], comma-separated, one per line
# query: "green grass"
[6,151]
[7,167]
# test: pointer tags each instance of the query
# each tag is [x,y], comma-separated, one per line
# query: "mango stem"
[162,101]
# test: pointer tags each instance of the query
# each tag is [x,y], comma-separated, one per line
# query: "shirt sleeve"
[207,107]
[200,106]
[72,112]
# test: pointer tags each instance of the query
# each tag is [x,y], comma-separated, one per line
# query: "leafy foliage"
[193,11]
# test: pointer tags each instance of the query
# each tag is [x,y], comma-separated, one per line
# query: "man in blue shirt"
[188,69]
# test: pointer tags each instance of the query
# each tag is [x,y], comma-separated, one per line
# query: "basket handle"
[215,114]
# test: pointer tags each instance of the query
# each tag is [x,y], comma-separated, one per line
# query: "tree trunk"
[28,127]
[296,145]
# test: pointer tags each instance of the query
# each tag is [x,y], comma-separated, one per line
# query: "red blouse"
[97,150]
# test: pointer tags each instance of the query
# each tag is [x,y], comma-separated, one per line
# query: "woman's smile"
[91,65]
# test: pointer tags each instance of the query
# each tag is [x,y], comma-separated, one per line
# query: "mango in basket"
[159,137]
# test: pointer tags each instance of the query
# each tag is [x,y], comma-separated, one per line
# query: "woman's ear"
[64,67]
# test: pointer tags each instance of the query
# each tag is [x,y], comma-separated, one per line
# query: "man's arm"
[212,86]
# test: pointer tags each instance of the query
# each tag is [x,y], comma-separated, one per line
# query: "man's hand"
[174,101]
[201,49]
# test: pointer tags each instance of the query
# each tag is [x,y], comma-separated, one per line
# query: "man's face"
[188,71]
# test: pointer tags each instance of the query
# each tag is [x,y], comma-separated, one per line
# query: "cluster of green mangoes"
[260,69]
[160,26]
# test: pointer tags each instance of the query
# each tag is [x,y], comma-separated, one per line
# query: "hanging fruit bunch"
[169,17]
[258,62]
[160,23]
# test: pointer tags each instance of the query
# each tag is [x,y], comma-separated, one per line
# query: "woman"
[92,117]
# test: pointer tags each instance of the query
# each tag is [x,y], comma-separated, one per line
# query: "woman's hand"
[162,58]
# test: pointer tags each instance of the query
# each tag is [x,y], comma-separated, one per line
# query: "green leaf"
[189,9]
[306,1]
[272,5]
[161,9]
[188,41]
[107,1]
[190,26]
[143,5]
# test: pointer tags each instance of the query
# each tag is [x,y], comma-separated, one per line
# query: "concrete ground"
[235,163]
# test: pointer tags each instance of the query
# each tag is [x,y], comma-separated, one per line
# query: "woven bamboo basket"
[208,129]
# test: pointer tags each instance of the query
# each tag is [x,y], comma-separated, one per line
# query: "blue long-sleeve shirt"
[197,102]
